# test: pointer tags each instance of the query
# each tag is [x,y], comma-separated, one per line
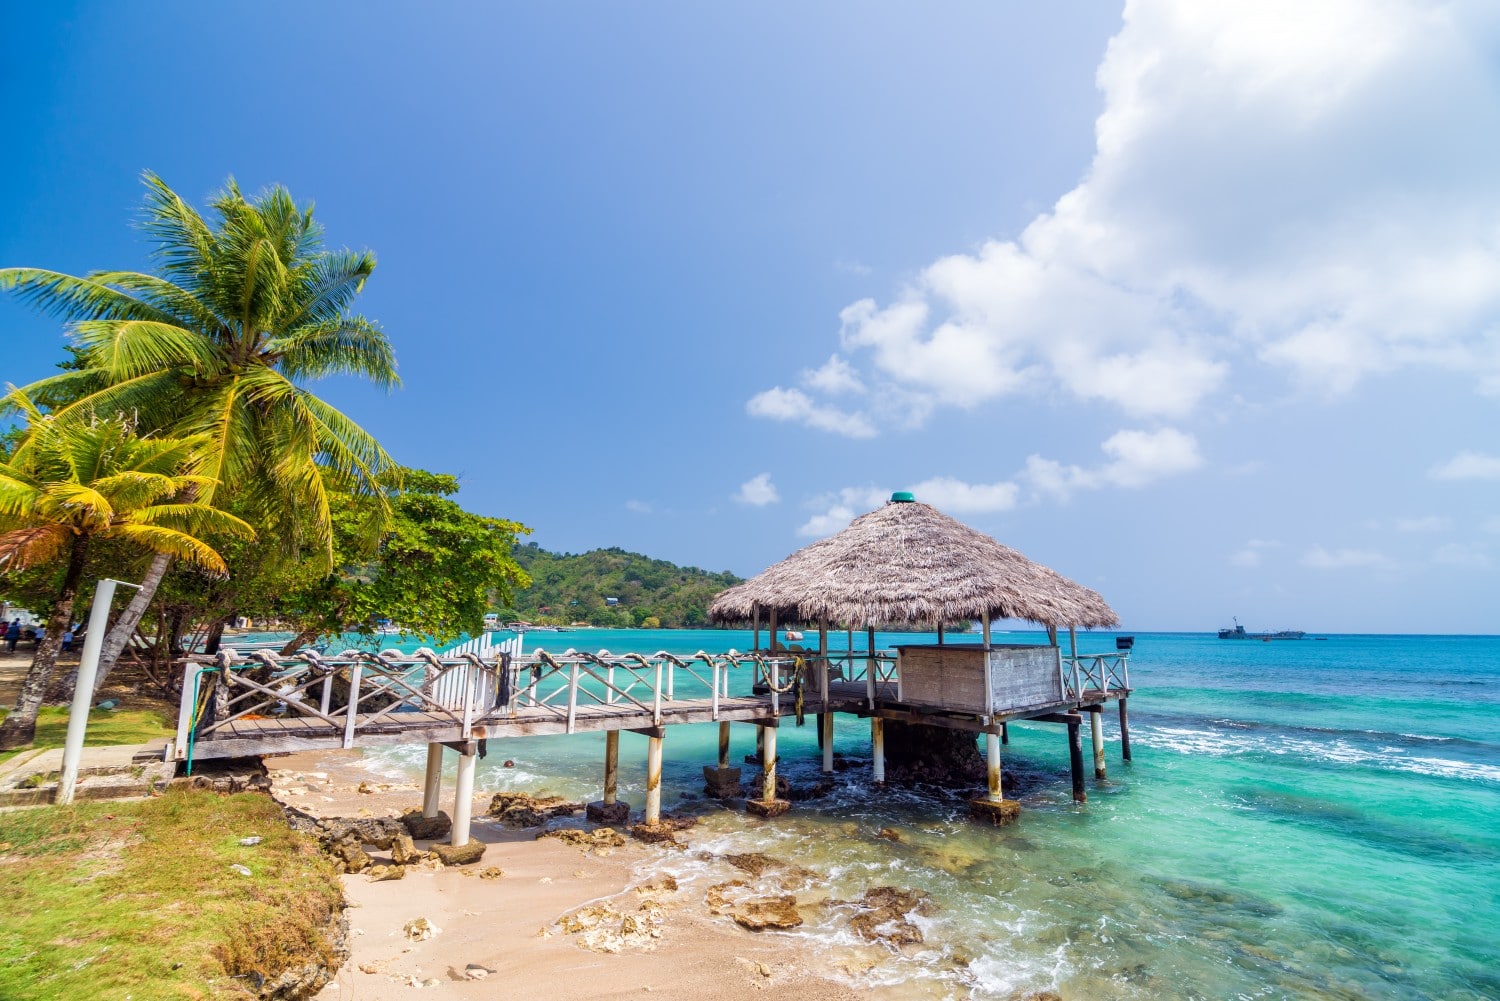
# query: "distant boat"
[1239,633]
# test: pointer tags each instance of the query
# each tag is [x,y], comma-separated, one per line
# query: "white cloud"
[834,377]
[1467,466]
[1319,558]
[638,507]
[758,491]
[841,508]
[1304,187]
[1431,523]
[1137,458]
[957,497]
[1462,557]
[794,405]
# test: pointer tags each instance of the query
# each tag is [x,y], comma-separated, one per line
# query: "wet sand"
[500,937]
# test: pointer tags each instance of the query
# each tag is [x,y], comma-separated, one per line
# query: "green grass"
[136,899]
[124,726]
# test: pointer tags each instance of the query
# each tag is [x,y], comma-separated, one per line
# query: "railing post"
[716,671]
[572,696]
[469,682]
[327,691]
[671,678]
[656,697]
[353,708]
[609,682]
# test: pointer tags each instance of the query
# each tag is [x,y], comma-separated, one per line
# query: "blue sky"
[1196,303]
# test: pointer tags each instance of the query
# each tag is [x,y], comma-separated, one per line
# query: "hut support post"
[1005,733]
[825,720]
[992,763]
[1075,762]
[1096,731]
[723,745]
[1124,731]
[755,625]
[768,805]
[463,801]
[768,764]
[611,767]
[653,779]
[432,783]
[877,749]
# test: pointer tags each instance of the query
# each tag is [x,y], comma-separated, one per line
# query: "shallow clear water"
[1302,819]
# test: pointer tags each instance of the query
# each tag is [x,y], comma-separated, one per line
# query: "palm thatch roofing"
[907,563]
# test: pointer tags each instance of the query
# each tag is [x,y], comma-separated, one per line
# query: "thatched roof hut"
[907,563]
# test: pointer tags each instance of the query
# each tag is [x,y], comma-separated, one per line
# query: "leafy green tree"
[71,482]
[244,310]
[578,586]
[433,571]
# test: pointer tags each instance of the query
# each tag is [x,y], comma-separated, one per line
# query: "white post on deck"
[653,780]
[432,782]
[83,691]
[992,761]
[463,804]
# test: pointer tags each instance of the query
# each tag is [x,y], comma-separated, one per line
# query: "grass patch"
[123,726]
[136,899]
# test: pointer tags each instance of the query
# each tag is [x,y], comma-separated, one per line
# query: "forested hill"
[576,588]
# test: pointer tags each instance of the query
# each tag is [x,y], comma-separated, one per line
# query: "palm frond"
[73,298]
[31,546]
[169,540]
[344,346]
[197,519]
[124,349]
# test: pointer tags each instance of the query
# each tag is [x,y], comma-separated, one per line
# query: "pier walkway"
[242,704]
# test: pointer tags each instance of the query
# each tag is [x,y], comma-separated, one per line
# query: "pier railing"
[361,692]
[1088,674]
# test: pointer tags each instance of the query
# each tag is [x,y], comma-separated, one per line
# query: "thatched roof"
[909,564]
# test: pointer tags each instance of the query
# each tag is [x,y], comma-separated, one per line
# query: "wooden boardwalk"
[239,706]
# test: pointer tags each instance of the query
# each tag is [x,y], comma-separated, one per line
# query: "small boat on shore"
[1239,633]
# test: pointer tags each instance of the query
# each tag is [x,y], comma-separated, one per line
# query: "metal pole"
[83,692]
[1096,730]
[992,760]
[653,780]
[463,804]
[432,784]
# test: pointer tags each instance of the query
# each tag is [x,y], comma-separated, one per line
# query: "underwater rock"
[717,897]
[722,783]
[885,916]
[918,754]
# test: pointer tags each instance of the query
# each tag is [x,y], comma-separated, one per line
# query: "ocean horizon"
[1302,819]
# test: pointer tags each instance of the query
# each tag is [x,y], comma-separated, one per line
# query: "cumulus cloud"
[794,405]
[1136,459]
[758,491]
[835,376]
[1467,466]
[1319,558]
[1303,188]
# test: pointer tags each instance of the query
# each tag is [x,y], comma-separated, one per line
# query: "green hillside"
[577,588]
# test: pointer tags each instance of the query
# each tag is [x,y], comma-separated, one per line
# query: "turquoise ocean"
[1302,819]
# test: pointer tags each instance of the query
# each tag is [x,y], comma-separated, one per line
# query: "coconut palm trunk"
[19,728]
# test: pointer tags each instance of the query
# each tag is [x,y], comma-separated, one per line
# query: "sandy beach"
[501,936]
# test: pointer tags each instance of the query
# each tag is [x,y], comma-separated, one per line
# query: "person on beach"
[67,640]
[12,635]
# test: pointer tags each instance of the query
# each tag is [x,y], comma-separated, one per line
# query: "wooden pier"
[262,703]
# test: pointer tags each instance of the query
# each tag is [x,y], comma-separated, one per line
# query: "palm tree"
[217,344]
[72,482]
